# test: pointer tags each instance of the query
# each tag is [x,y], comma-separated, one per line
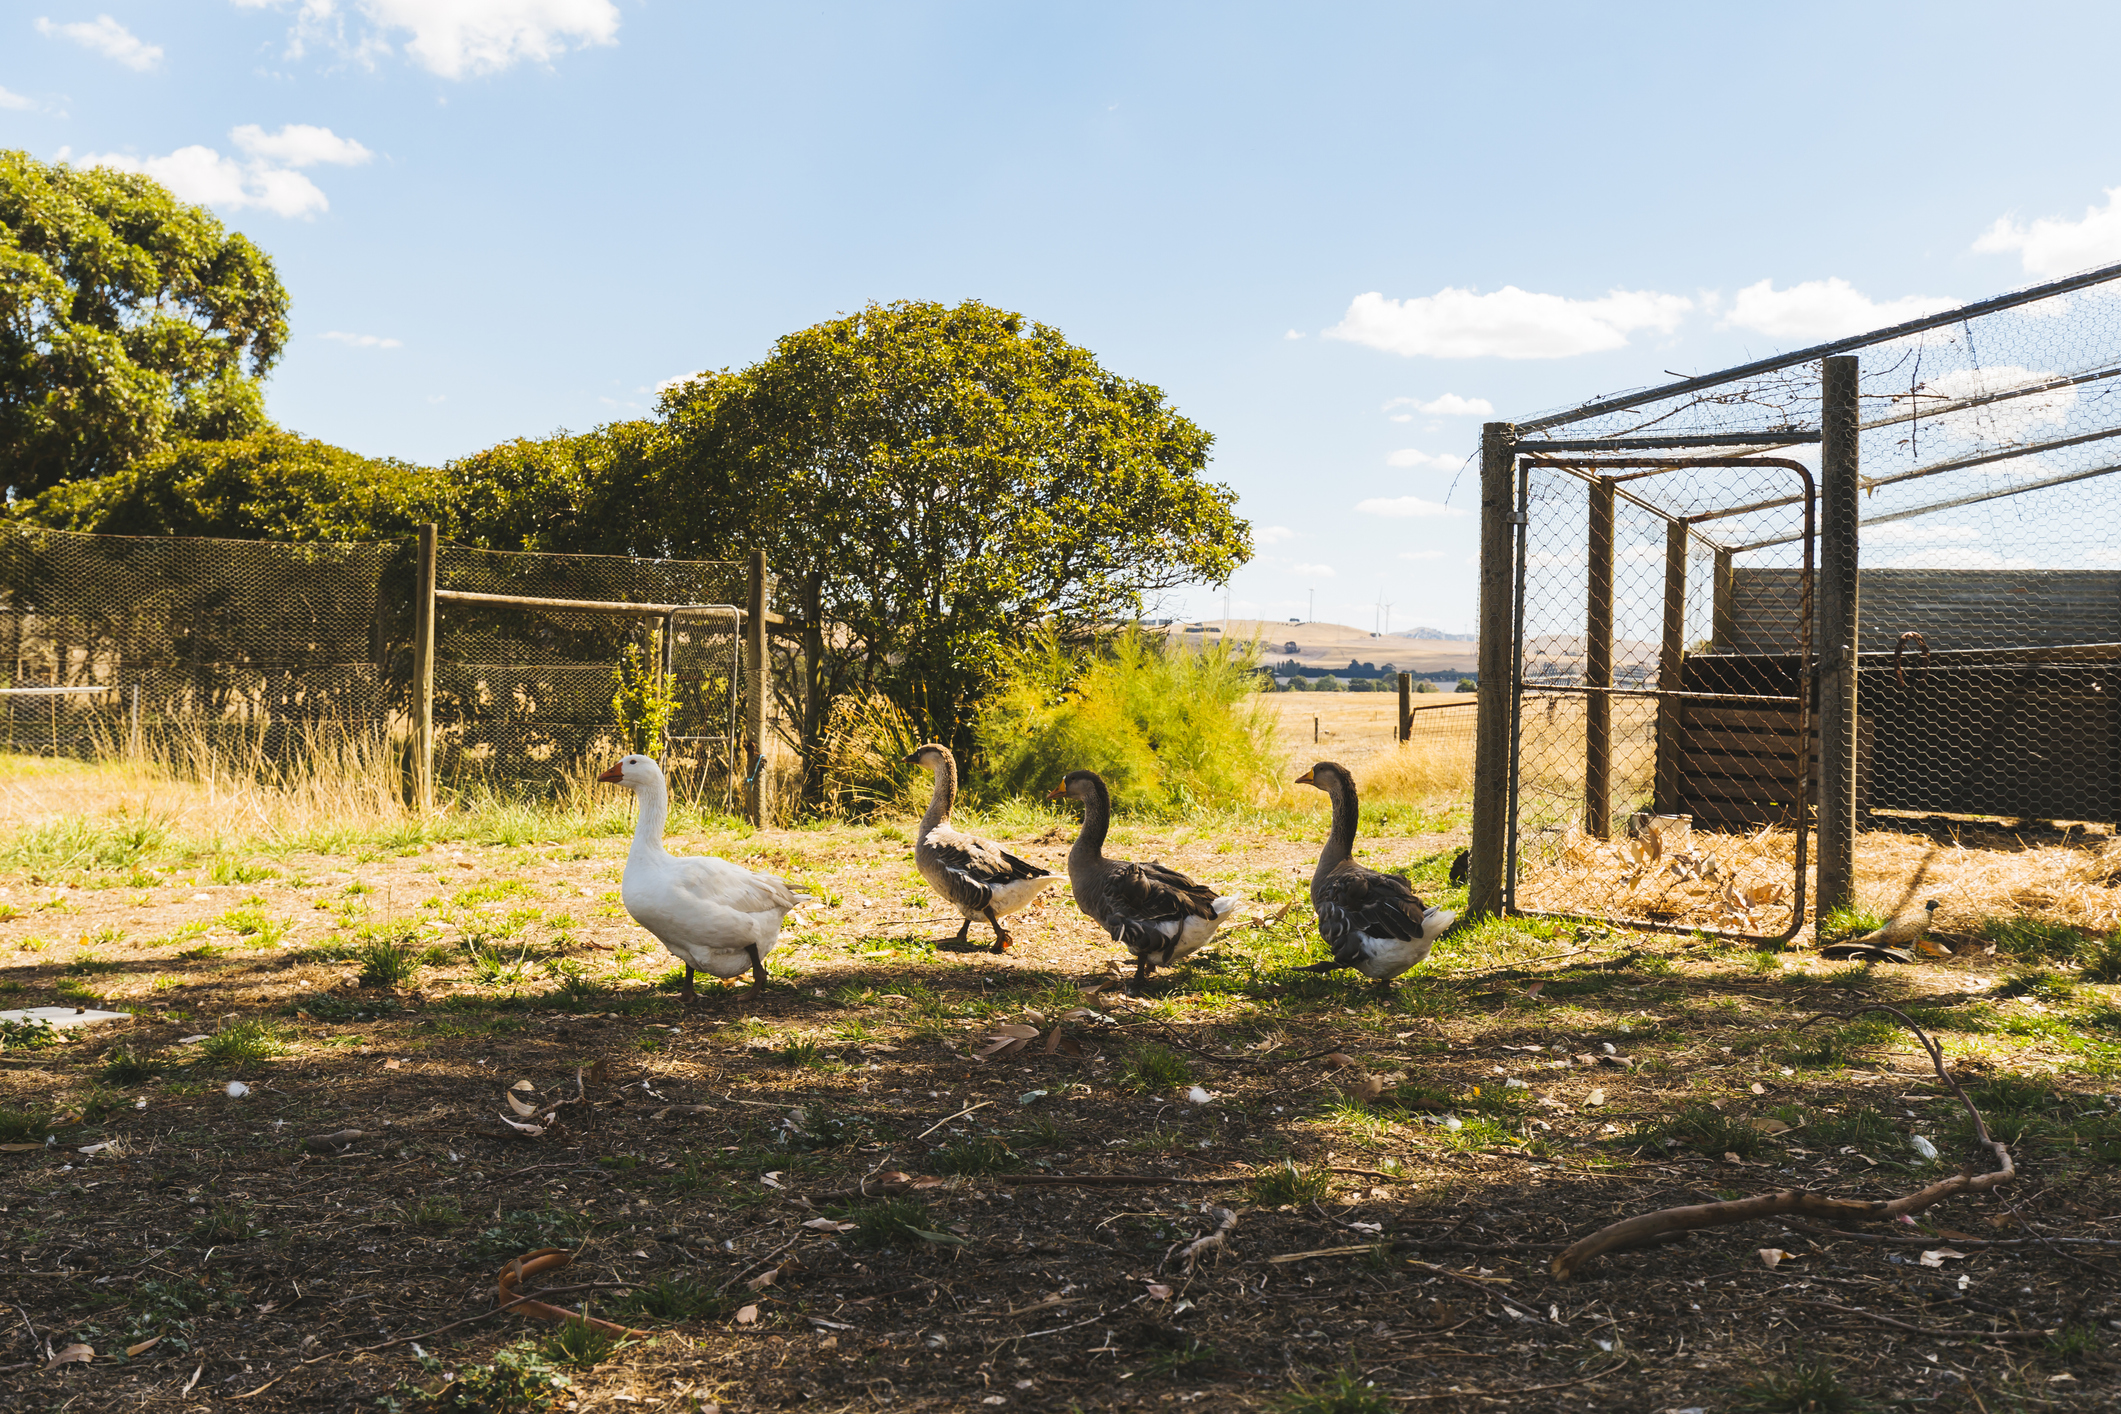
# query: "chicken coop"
[1777,635]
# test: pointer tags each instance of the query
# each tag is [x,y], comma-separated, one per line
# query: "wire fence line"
[174,645]
[1677,640]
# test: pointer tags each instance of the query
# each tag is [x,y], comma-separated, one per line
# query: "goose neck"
[1340,843]
[944,797]
[654,798]
[1097,821]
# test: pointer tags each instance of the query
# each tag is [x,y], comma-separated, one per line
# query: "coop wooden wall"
[1951,608]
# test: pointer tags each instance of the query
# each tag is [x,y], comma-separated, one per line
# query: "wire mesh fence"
[219,641]
[1988,622]
[183,647]
[524,693]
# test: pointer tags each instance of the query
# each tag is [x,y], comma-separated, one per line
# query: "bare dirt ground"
[291,1181]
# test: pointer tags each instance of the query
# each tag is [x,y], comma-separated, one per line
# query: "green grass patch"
[1153,1069]
[241,1042]
[1287,1183]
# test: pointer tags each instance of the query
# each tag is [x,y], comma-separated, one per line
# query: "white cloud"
[1421,554]
[680,380]
[16,101]
[1315,571]
[299,145]
[202,175]
[2053,246]
[1272,535]
[1510,323]
[1292,334]
[1823,309]
[268,180]
[108,38]
[361,341]
[1914,532]
[454,38]
[2008,421]
[1402,506]
[1449,405]
[1407,456]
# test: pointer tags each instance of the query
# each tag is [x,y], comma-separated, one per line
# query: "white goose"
[712,915]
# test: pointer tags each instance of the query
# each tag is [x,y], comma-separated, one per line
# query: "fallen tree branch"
[1634,1231]
[547,1259]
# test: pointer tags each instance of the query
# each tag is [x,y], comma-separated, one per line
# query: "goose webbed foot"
[1002,940]
[964,933]
[758,968]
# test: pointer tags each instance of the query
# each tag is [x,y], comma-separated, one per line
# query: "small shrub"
[237,871]
[979,1154]
[23,1126]
[33,1034]
[228,1222]
[2102,960]
[522,1230]
[1285,1183]
[436,1211]
[1714,1133]
[803,1052]
[1345,1393]
[675,1298]
[127,1065]
[2035,939]
[1811,1388]
[888,1223]
[521,1380]
[576,1342]
[242,1041]
[386,964]
[1155,1070]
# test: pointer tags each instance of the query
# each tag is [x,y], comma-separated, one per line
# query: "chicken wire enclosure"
[129,642]
[1645,709]
[523,691]
[1964,613]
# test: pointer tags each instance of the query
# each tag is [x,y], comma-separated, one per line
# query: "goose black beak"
[611,775]
[913,758]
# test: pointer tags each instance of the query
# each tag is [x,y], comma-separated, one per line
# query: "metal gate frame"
[1586,468]
[668,666]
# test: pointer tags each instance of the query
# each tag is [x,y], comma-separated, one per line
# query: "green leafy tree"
[127,319]
[931,484]
[585,493]
[267,486]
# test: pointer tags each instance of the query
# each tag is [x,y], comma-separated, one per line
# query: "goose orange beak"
[1306,780]
[1057,793]
[611,775]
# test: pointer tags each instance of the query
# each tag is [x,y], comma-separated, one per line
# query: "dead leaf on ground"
[1771,1257]
[1338,1061]
[1938,1256]
[1159,1291]
[1596,1097]
[72,1355]
[144,1346]
[748,1316]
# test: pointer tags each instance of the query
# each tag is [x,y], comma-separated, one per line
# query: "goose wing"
[1147,904]
[708,880]
[1356,902]
[974,867]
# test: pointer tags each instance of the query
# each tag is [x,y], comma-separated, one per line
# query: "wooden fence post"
[1406,707]
[1840,499]
[1491,768]
[1598,667]
[423,672]
[1723,622]
[758,803]
[1671,668]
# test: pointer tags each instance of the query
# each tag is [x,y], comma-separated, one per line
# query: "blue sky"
[1334,235]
